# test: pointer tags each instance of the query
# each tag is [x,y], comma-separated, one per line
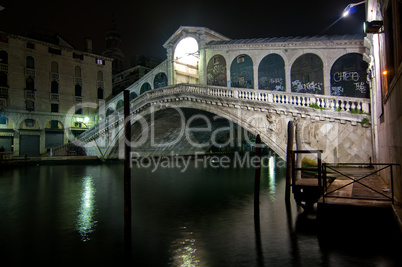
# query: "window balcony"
[54,76]
[54,96]
[3,67]
[3,103]
[29,94]
[29,72]
[3,92]
[77,80]
[78,99]
[100,84]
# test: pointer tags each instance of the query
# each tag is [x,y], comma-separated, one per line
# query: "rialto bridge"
[257,84]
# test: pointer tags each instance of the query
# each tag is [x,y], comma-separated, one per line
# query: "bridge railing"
[336,103]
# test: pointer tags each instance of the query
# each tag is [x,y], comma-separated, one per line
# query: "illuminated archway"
[186,58]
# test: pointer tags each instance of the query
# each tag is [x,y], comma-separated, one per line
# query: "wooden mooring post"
[257,179]
[289,158]
[127,180]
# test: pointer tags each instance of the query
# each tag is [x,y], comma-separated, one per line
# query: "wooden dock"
[358,186]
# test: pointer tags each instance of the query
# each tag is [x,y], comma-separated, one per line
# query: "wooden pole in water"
[127,179]
[257,179]
[289,150]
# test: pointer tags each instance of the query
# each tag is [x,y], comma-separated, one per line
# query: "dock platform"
[358,186]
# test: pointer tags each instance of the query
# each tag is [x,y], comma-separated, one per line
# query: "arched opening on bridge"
[133,95]
[109,112]
[119,104]
[349,77]
[271,73]
[216,71]
[242,72]
[307,75]
[144,88]
[160,80]
[186,58]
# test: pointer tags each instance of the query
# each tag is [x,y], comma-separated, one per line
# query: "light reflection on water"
[86,218]
[61,215]
[272,180]
[184,250]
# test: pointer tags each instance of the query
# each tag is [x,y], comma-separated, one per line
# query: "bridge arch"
[271,73]
[160,80]
[242,72]
[307,74]
[133,95]
[248,120]
[145,87]
[348,76]
[216,71]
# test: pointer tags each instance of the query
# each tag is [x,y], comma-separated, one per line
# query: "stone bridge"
[340,126]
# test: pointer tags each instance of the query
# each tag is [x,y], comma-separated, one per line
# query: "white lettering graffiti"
[275,80]
[337,90]
[346,76]
[309,86]
[361,87]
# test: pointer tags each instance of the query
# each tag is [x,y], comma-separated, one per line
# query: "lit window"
[100,61]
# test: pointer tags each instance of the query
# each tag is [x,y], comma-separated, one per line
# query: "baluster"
[347,106]
[352,106]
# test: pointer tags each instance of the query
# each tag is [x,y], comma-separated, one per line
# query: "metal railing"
[381,166]
[297,168]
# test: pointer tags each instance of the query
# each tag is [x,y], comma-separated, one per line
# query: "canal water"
[72,215]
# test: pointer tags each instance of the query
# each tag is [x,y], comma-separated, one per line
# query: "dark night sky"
[146,25]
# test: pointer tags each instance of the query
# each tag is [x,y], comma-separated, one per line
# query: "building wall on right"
[384,54]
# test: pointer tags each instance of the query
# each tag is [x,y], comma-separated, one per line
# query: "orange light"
[384,72]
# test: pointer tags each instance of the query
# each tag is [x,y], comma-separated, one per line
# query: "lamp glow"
[347,10]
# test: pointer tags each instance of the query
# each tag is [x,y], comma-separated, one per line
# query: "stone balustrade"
[247,96]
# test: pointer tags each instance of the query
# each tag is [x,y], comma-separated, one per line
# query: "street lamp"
[346,11]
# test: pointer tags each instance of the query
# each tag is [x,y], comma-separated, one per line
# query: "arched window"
[78,90]
[3,57]
[160,80]
[242,72]
[100,76]
[109,112]
[307,74]
[30,84]
[349,77]
[271,73]
[77,71]
[54,87]
[54,67]
[119,104]
[133,95]
[145,87]
[216,71]
[100,93]
[30,62]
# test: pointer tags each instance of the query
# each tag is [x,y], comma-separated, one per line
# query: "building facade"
[384,55]
[49,92]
